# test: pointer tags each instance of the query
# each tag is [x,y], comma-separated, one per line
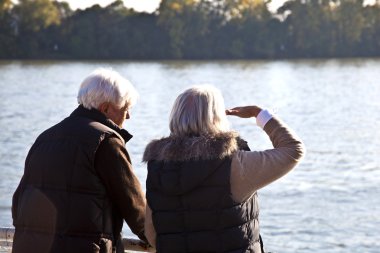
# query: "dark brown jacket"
[78,186]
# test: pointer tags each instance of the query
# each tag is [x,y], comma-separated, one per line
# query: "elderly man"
[78,185]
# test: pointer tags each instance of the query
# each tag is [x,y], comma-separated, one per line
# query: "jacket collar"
[101,118]
[186,148]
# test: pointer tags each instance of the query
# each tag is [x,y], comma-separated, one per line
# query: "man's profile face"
[118,115]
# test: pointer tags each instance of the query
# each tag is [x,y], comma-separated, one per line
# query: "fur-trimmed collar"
[185,148]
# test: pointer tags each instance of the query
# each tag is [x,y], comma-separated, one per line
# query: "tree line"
[190,29]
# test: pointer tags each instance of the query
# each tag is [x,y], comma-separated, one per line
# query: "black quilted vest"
[61,199]
[193,210]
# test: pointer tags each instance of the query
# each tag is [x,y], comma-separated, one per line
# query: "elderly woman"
[202,180]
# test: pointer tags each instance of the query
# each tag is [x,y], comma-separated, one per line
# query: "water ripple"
[329,203]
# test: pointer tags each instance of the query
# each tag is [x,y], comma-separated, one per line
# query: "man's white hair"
[106,85]
[199,110]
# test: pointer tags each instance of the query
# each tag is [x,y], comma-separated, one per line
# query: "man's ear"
[103,107]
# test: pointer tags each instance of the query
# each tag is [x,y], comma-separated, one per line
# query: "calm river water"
[329,203]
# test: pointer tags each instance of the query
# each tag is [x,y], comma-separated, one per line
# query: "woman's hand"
[244,111]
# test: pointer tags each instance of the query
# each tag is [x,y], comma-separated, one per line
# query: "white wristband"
[263,117]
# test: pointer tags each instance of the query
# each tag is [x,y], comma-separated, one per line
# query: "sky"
[150,5]
[138,5]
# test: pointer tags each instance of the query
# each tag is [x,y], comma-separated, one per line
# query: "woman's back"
[202,181]
[188,187]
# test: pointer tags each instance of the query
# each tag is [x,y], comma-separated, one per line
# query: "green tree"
[310,28]
[35,15]
[64,10]
[172,17]
[8,30]
[113,32]
[350,25]
[257,24]
[81,33]
[5,6]
[34,18]
[190,29]
[370,37]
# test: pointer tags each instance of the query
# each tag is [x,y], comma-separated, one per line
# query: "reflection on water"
[329,203]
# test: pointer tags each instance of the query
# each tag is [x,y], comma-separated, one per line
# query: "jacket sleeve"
[150,232]
[252,170]
[15,199]
[113,165]
[20,189]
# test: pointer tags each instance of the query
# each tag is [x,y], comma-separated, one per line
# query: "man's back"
[78,185]
[61,199]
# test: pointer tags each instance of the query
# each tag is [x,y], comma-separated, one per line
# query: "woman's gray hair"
[106,85]
[199,110]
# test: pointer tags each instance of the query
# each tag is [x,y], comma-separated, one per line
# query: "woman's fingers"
[244,111]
